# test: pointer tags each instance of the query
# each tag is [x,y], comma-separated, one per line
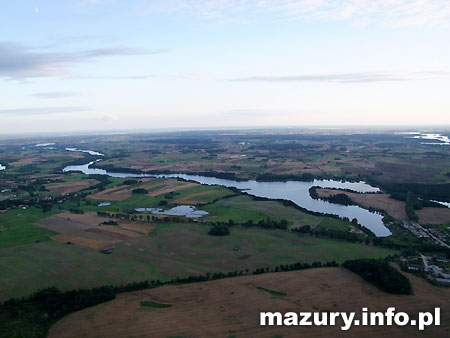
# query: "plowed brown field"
[230,308]
[393,207]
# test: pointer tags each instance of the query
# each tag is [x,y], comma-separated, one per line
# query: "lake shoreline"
[295,192]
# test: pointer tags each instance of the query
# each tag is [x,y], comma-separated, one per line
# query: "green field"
[26,268]
[174,250]
[223,213]
[272,209]
[335,224]
[212,193]
[17,227]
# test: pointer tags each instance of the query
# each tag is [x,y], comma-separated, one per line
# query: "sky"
[105,65]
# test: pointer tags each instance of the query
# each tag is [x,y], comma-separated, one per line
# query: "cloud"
[177,76]
[21,62]
[43,111]
[350,77]
[53,95]
[109,117]
[393,13]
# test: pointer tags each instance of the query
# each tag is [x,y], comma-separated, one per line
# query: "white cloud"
[17,61]
[42,111]
[109,117]
[53,95]
[349,77]
[387,13]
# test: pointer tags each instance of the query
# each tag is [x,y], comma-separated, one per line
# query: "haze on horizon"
[114,65]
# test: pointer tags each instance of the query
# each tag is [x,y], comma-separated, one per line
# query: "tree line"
[381,274]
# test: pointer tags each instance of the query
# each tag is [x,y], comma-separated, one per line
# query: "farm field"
[335,224]
[230,308]
[27,268]
[88,229]
[393,207]
[64,188]
[172,250]
[434,215]
[272,209]
[182,249]
[18,229]
[124,191]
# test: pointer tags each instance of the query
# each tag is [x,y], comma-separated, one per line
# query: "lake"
[442,139]
[90,152]
[295,191]
[180,210]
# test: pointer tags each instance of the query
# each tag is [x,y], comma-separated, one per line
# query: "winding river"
[295,191]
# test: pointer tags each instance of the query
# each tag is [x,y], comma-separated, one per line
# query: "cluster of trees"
[129,182]
[110,223]
[320,232]
[76,211]
[139,191]
[219,230]
[296,266]
[337,198]
[304,229]
[266,224]
[381,274]
[103,182]
[31,187]
[344,235]
[313,193]
[412,204]
[54,304]
[440,192]
[337,234]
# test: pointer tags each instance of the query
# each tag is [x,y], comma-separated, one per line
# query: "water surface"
[442,139]
[90,152]
[295,191]
[45,144]
[447,204]
[180,210]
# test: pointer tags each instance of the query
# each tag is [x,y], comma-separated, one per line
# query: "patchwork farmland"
[90,230]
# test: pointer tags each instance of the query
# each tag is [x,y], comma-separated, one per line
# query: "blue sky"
[139,64]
